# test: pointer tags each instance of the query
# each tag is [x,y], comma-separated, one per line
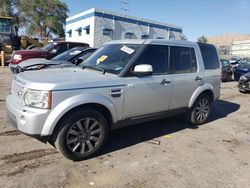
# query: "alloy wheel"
[84,135]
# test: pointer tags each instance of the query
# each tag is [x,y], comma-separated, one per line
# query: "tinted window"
[225,63]
[157,57]
[210,56]
[182,60]
[244,65]
[61,48]
[72,45]
[85,56]
[68,55]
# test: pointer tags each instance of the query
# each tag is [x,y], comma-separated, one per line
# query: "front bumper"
[27,120]
[244,85]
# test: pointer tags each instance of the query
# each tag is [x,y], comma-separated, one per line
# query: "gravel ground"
[163,153]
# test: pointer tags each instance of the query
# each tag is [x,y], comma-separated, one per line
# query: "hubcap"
[202,110]
[84,135]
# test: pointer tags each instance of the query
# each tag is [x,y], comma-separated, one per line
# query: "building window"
[79,30]
[129,34]
[69,32]
[145,36]
[107,31]
[87,29]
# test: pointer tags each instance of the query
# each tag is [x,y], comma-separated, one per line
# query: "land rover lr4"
[123,83]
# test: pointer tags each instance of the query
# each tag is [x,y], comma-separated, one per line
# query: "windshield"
[5,25]
[48,46]
[112,58]
[244,65]
[68,55]
[225,63]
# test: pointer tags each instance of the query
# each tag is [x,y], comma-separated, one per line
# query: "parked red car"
[48,51]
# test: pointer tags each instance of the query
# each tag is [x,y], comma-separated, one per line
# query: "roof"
[153,41]
[111,15]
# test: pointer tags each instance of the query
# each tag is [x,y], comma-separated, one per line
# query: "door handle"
[198,78]
[165,82]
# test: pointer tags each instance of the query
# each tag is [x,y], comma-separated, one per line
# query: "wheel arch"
[205,89]
[99,103]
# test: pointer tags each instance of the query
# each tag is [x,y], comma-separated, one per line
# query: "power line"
[124,7]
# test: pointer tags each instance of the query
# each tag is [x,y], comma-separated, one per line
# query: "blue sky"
[196,17]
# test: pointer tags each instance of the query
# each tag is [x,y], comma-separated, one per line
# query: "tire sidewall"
[65,125]
[193,115]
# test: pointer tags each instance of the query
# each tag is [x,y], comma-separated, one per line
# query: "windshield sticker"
[127,50]
[101,59]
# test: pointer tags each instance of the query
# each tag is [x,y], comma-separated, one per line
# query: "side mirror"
[143,70]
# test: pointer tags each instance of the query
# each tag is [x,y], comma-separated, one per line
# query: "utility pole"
[124,7]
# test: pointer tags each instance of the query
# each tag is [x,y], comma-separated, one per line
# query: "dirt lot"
[164,153]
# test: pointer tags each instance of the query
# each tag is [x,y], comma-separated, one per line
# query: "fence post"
[2,58]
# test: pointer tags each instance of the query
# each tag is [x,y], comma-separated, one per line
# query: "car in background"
[235,62]
[49,51]
[70,58]
[244,83]
[243,68]
[226,70]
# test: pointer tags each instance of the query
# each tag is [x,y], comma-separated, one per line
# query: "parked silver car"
[122,83]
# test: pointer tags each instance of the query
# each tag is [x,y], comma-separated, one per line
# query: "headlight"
[17,57]
[38,99]
[243,77]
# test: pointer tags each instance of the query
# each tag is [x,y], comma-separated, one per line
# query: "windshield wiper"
[38,66]
[94,68]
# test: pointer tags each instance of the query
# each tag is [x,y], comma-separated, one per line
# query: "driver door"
[149,95]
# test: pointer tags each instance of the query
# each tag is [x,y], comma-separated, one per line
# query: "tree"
[6,8]
[41,17]
[202,39]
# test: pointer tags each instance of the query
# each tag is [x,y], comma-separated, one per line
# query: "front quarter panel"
[72,102]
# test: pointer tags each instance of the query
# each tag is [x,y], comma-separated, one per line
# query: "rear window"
[182,60]
[210,56]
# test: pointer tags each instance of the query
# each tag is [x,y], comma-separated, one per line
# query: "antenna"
[124,5]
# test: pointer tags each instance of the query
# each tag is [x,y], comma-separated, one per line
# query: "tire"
[200,110]
[241,91]
[81,134]
[229,78]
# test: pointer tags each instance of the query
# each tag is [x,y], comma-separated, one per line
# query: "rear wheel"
[82,134]
[200,110]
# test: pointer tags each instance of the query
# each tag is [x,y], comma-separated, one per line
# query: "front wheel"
[81,134]
[200,110]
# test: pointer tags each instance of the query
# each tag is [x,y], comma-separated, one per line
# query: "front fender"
[198,91]
[72,102]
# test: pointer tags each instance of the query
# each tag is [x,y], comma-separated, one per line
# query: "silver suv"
[122,83]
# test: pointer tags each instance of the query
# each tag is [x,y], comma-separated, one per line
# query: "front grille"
[18,92]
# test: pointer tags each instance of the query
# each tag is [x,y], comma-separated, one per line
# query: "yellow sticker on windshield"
[101,59]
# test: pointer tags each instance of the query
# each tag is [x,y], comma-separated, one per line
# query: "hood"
[65,78]
[247,75]
[27,52]
[44,61]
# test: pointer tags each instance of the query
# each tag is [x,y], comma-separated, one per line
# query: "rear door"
[186,79]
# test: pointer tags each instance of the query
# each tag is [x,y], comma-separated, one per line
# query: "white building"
[241,48]
[96,27]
